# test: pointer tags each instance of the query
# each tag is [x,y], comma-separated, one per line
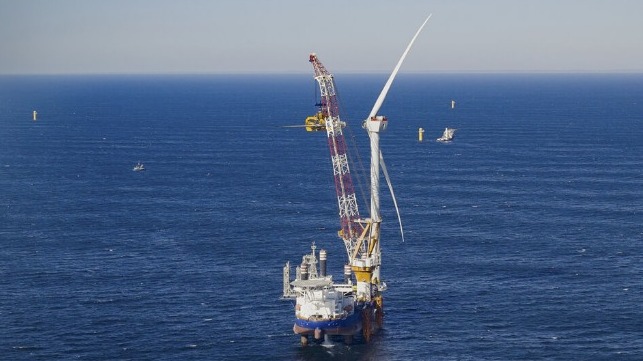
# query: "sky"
[276,36]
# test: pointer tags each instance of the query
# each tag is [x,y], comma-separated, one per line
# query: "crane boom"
[346,198]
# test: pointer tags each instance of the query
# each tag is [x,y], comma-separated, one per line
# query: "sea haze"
[523,236]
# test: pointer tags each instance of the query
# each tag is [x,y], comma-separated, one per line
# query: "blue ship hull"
[345,326]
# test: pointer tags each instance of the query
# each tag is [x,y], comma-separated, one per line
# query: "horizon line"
[349,72]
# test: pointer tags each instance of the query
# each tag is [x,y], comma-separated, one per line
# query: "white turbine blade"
[382,96]
[390,187]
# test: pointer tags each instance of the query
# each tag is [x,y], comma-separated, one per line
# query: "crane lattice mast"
[346,198]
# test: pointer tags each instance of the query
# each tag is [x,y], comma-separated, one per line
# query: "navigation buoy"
[35,113]
[420,134]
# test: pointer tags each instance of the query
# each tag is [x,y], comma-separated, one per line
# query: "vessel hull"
[343,326]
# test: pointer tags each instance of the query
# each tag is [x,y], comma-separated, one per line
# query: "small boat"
[139,167]
[447,136]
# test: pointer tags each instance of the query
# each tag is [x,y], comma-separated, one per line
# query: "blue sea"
[523,236]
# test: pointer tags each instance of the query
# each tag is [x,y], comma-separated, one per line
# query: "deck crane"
[344,189]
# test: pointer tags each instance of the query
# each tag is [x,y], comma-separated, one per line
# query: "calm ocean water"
[524,236]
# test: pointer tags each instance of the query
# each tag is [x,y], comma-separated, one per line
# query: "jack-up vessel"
[355,305]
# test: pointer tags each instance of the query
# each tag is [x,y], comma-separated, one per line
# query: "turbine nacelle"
[375,124]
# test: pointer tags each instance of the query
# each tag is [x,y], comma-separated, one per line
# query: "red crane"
[346,199]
